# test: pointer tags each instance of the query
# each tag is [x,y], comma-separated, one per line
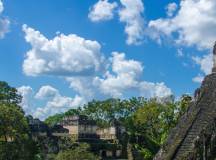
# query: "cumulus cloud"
[4,22]
[205,63]
[56,103]
[171,8]
[131,15]
[53,101]
[121,80]
[127,78]
[79,62]
[64,55]
[198,79]
[102,11]
[194,24]
[126,74]
[159,90]
[27,95]
[85,86]
[47,92]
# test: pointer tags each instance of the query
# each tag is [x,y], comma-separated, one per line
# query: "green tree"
[183,104]
[79,153]
[14,139]
[52,120]
[14,132]
[9,94]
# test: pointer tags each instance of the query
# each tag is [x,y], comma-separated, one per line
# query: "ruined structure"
[194,137]
[82,128]
[103,141]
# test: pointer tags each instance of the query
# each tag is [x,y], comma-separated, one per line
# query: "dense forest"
[147,123]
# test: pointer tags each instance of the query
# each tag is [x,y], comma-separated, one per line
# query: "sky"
[62,54]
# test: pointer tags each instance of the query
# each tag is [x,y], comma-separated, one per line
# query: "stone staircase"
[187,145]
[205,116]
[181,141]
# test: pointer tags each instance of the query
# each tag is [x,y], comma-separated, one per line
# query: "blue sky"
[167,52]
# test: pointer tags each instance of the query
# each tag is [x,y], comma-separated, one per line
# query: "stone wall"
[181,142]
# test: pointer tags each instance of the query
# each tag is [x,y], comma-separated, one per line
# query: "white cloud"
[127,79]
[198,79]
[171,8]
[85,86]
[131,14]
[194,24]
[205,63]
[80,62]
[102,11]
[58,104]
[121,66]
[61,56]
[27,95]
[123,80]
[53,101]
[4,22]
[159,90]
[126,74]
[1,7]
[46,92]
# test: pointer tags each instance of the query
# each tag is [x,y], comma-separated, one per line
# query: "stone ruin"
[194,137]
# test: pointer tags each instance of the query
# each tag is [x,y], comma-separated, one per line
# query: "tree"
[14,132]
[79,153]
[14,139]
[13,124]
[9,94]
[52,120]
[183,104]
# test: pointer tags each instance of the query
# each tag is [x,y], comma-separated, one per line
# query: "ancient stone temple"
[82,128]
[194,137]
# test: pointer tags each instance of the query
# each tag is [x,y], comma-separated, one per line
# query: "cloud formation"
[53,101]
[4,22]
[79,62]
[131,15]
[27,96]
[194,24]
[198,79]
[102,11]
[205,63]
[123,79]
[171,8]
[63,55]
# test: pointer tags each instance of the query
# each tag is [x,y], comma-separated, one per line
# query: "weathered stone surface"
[183,139]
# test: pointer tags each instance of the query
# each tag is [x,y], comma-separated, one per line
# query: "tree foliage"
[147,121]
[9,94]
[78,153]
[15,142]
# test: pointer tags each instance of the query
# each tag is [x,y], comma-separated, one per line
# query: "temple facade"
[104,141]
[82,128]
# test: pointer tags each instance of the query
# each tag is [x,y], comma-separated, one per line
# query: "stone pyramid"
[194,137]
